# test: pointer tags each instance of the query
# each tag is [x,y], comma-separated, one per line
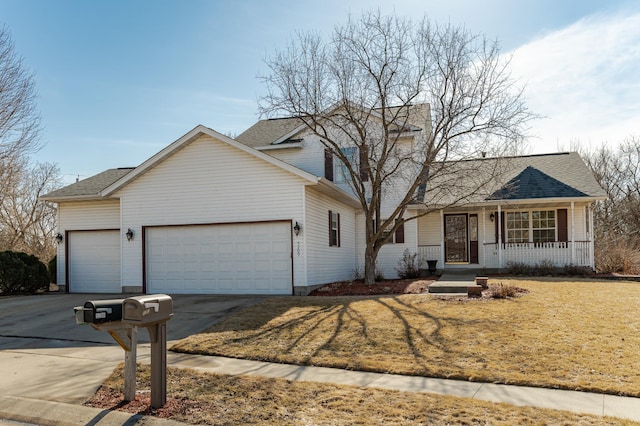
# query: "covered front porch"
[493,237]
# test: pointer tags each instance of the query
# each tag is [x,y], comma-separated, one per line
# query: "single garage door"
[94,262]
[247,258]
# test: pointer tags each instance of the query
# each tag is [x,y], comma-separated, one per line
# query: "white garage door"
[94,262]
[251,258]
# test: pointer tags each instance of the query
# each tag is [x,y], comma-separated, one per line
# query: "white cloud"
[584,80]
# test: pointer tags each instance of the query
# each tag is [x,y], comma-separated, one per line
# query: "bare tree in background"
[617,219]
[366,87]
[26,224]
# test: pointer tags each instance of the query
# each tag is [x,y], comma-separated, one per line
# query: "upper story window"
[335,170]
[341,170]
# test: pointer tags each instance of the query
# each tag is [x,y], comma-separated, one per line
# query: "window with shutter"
[334,229]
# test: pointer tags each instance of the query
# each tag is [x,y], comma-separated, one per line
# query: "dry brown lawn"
[204,398]
[577,334]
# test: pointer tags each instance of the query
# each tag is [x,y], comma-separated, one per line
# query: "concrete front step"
[451,287]
[454,284]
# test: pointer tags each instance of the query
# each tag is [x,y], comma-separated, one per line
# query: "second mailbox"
[99,311]
[148,309]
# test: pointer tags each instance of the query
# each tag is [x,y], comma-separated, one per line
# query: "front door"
[455,238]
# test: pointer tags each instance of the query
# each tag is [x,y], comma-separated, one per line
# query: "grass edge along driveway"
[578,335]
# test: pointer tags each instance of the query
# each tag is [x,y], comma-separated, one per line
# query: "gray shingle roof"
[90,187]
[264,132]
[559,175]
[532,183]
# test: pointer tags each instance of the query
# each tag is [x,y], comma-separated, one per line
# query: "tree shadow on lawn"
[383,334]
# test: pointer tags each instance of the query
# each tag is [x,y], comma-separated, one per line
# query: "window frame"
[340,169]
[518,229]
[334,229]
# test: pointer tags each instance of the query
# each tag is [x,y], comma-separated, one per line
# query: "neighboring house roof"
[512,179]
[89,188]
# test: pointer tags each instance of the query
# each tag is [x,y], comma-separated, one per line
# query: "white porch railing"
[560,253]
[432,252]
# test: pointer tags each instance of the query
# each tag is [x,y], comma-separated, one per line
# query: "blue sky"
[119,80]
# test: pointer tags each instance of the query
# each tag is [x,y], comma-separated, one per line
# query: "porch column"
[499,242]
[573,243]
[484,233]
[442,253]
[591,231]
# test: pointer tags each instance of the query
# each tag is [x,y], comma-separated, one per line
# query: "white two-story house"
[269,212]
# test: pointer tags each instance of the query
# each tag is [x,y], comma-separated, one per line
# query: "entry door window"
[456,241]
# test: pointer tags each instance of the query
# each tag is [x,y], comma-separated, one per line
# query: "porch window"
[517,227]
[544,226]
[536,226]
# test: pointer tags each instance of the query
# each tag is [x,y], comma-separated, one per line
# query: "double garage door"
[247,258]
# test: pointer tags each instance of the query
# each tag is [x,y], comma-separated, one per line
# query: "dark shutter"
[338,231]
[328,164]
[331,242]
[364,173]
[563,229]
[400,234]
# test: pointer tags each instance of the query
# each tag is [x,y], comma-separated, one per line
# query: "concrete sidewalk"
[45,412]
[577,402]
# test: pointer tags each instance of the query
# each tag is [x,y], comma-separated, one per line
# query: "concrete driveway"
[44,354]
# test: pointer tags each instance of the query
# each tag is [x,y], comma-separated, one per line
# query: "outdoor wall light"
[296,228]
[59,238]
[129,234]
[491,217]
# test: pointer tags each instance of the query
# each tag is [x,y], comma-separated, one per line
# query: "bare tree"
[368,87]
[617,219]
[26,223]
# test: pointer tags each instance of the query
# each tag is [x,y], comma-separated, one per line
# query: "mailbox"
[147,310]
[100,311]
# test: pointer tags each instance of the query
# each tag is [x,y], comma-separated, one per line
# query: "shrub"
[617,256]
[22,273]
[502,291]
[545,267]
[519,268]
[379,274]
[52,268]
[408,266]
[578,271]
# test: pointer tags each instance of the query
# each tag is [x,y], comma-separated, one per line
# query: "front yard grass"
[205,398]
[581,335]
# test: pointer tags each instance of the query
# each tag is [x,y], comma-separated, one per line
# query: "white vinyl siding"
[310,158]
[86,215]
[207,182]
[328,263]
